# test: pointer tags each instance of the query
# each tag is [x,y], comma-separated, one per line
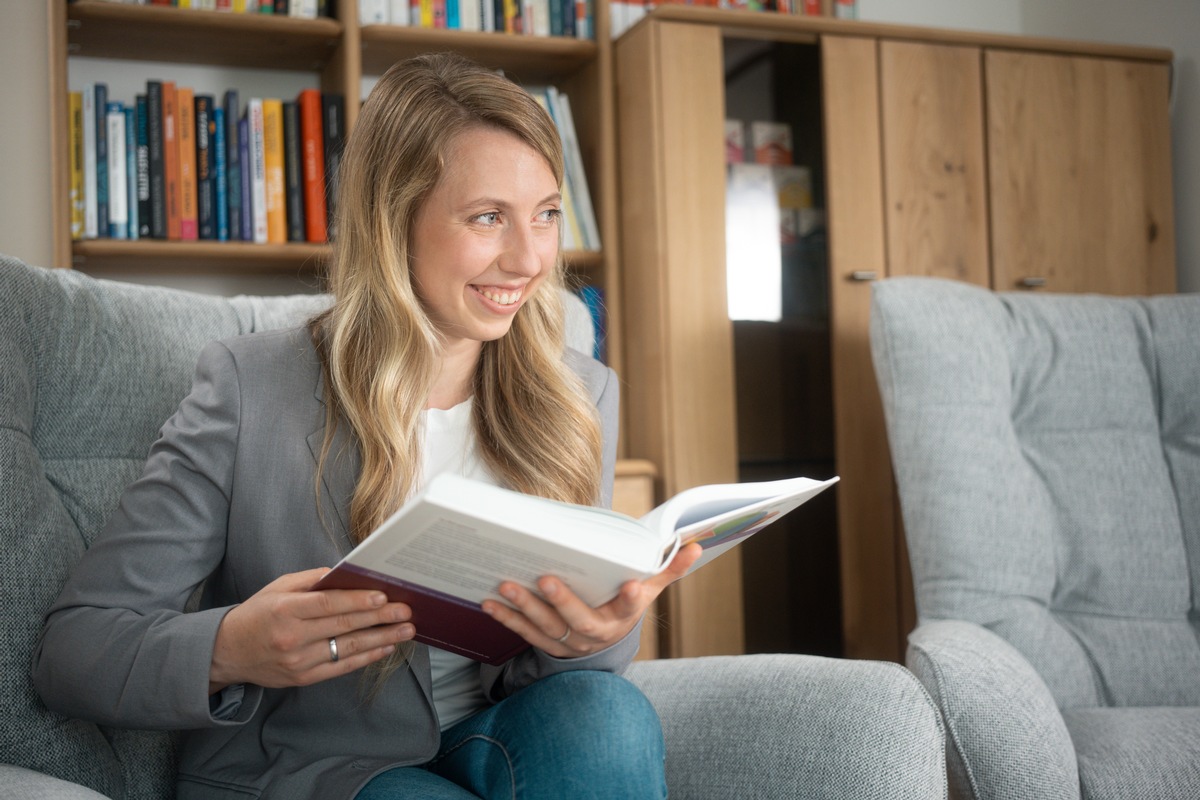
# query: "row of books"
[624,14]
[304,9]
[569,18]
[176,165]
[580,230]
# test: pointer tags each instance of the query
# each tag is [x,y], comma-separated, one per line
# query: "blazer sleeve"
[117,647]
[533,664]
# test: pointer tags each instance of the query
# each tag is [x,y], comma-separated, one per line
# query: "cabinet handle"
[863,275]
[1032,282]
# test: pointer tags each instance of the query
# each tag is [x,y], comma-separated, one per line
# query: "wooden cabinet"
[979,158]
[337,52]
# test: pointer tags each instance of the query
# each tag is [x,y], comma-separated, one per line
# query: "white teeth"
[503,298]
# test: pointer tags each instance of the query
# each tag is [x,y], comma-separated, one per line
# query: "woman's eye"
[490,218]
[550,215]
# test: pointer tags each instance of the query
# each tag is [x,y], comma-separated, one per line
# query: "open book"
[451,546]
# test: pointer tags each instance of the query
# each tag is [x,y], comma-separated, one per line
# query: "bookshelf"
[337,53]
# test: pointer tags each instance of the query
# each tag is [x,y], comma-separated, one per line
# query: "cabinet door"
[678,396]
[869,547]
[935,174]
[1079,149]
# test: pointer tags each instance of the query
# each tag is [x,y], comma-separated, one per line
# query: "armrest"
[1005,736]
[787,726]
[18,783]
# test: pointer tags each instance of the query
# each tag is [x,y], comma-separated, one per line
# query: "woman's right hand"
[280,636]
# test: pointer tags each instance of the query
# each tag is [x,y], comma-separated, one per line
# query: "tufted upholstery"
[1047,453]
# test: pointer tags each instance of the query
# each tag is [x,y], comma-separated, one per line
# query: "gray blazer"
[227,501]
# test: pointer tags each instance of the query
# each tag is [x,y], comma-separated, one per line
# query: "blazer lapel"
[342,466]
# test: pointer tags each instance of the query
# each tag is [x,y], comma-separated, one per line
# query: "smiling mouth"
[499,297]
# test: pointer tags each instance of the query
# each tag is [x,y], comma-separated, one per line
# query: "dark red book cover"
[441,620]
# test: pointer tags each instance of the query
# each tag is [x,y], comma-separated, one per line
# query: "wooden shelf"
[162,33]
[110,255]
[524,58]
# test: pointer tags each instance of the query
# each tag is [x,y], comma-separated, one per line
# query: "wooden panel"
[1080,173]
[60,173]
[633,494]
[678,335]
[866,530]
[935,174]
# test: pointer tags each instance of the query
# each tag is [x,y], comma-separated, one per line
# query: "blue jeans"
[572,735]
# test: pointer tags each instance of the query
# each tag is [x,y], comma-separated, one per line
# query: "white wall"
[1174,24]
[25,140]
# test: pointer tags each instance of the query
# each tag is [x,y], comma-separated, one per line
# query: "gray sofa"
[90,369]
[1047,454]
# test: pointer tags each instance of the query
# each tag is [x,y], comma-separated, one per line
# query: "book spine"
[373,12]
[186,107]
[576,172]
[398,13]
[233,164]
[102,228]
[246,212]
[334,130]
[273,166]
[118,192]
[142,156]
[292,174]
[76,198]
[258,171]
[453,16]
[131,171]
[206,213]
[158,177]
[91,225]
[174,201]
[313,144]
[220,173]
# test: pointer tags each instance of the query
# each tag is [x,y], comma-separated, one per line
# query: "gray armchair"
[1047,454]
[90,369]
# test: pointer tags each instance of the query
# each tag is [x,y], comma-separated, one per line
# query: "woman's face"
[486,237]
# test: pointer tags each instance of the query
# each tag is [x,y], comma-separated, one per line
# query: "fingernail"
[407,631]
[550,588]
[378,599]
[509,592]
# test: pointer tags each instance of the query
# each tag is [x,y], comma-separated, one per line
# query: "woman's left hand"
[562,625]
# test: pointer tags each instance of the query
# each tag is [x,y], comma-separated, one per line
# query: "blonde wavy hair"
[536,428]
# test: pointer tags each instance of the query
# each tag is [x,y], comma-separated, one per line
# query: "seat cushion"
[1137,752]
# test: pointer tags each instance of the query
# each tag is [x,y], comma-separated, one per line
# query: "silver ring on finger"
[333,651]
[563,639]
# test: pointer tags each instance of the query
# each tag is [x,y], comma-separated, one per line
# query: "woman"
[442,352]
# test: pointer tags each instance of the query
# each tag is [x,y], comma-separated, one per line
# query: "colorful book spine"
[273,166]
[293,181]
[221,173]
[206,212]
[246,212]
[76,198]
[142,158]
[174,200]
[186,108]
[333,128]
[131,171]
[91,224]
[158,176]
[258,170]
[101,159]
[312,142]
[118,192]
[233,164]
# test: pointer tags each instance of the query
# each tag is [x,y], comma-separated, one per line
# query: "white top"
[449,446]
